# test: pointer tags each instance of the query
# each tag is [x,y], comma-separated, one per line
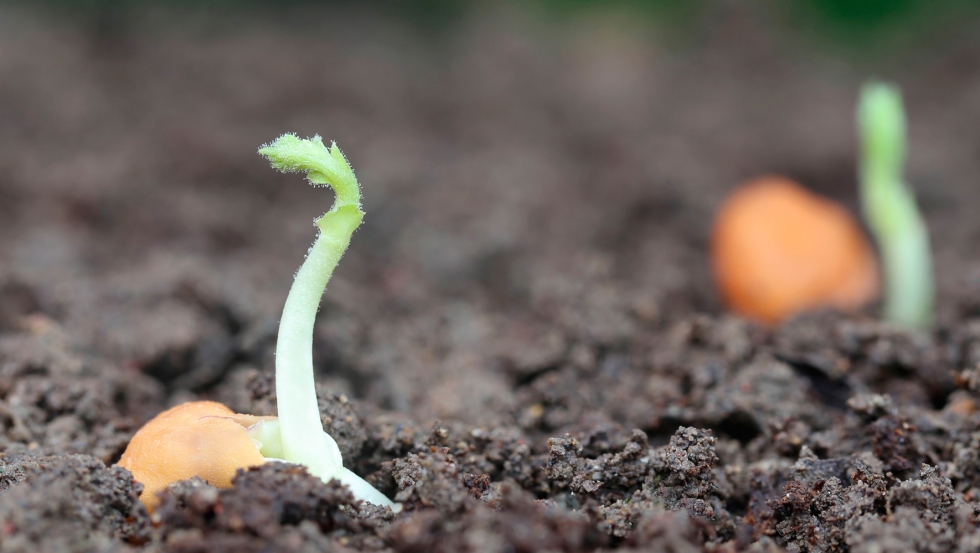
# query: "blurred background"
[526,166]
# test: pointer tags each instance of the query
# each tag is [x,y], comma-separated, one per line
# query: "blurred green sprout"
[890,209]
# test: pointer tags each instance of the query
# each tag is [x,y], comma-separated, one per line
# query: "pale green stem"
[299,415]
[298,435]
[890,209]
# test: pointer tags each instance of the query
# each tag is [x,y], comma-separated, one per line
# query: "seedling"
[302,439]
[207,439]
[890,210]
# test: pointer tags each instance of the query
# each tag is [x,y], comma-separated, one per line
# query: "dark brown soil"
[523,345]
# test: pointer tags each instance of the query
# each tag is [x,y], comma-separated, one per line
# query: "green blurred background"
[853,28]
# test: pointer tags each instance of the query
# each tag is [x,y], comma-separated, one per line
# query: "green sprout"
[297,436]
[890,210]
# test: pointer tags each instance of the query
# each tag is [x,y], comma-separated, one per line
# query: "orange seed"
[201,438]
[779,249]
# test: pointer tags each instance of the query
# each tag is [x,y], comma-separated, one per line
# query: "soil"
[523,346]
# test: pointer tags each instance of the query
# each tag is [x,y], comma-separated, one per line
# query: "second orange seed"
[778,249]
